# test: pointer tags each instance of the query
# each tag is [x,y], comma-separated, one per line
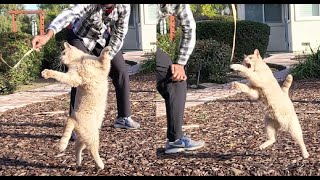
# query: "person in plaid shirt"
[89,30]
[171,78]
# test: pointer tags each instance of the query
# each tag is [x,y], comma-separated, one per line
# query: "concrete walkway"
[194,96]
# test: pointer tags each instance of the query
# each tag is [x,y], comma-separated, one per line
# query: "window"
[254,12]
[150,13]
[264,13]
[307,11]
[273,13]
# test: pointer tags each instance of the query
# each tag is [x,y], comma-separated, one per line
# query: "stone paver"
[21,99]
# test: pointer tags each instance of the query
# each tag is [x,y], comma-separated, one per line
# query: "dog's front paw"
[47,73]
[236,67]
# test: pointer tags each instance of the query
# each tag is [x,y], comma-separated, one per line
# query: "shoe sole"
[194,148]
[123,127]
[179,150]
[174,150]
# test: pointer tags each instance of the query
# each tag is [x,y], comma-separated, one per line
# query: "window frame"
[303,18]
[148,20]
[264,18]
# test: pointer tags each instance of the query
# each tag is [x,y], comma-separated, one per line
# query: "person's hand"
[178,72]
[40,40]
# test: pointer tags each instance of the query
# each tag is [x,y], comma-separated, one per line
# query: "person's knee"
[180,85]
[120,78]
[161,88]
[123,73]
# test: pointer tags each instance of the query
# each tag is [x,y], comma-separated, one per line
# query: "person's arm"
[120,31]
[61,21]
[69,15]
[188,27]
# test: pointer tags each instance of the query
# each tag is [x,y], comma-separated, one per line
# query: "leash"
[15,66]
[234,12]
[4,61]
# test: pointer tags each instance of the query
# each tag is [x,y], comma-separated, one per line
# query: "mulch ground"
[232,129]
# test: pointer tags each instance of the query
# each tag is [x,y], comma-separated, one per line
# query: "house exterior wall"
[148,29]
[241,11]
[277,38]
[303,31]
[143,35]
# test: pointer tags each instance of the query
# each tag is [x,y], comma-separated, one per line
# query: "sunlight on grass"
[36,84]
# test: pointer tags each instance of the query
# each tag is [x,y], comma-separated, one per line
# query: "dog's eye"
[250,57]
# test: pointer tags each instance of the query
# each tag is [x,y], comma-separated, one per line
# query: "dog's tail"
[104,57]
[287,84]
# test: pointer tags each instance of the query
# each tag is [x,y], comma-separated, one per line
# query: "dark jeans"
[118,74]
[174,94]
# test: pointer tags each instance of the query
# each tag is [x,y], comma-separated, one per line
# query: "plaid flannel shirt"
[91,24]
[188,26]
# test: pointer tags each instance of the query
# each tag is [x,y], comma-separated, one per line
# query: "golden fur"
[264,86]
[90,75]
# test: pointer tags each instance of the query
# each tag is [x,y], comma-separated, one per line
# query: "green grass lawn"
[36,84]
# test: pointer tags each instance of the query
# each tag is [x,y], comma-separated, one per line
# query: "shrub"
[51,55]
[149,65]
[52,51]
[249,35]
[13,47]
[309,67]
[211,60]
[216,18]
[211,55]
[171,48]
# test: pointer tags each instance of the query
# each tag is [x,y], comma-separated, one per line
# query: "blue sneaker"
[183,144]
[126,123]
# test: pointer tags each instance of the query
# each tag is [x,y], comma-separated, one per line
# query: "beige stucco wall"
[299,31]
[147,32]
[303,31]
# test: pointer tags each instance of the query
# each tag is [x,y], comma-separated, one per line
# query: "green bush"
[309,67]
[52,51]
[149,65]
[211,56]
[210,62]
[216,18]
[51,55]
[171,48]
[13,47]
[249,35]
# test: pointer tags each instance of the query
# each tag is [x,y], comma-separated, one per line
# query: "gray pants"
[174,94]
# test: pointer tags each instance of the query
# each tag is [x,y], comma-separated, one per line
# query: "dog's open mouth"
[248,65]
